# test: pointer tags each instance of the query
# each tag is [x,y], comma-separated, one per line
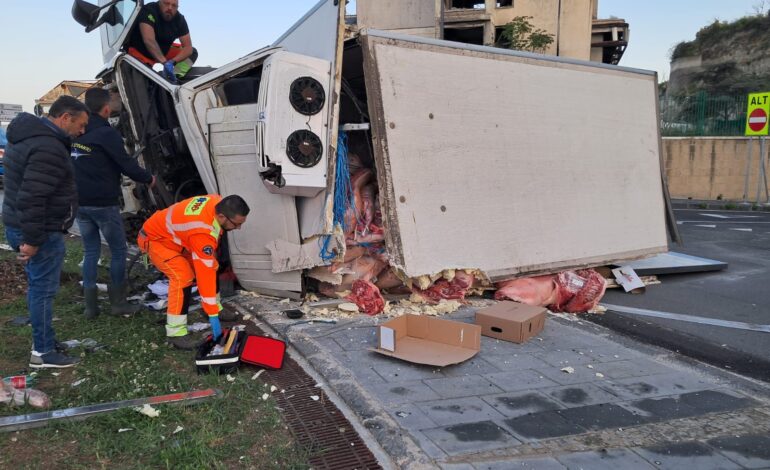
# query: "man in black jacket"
[100,158]
[39,206]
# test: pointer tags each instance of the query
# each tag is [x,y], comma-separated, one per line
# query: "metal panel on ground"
[674,263]
[511,163]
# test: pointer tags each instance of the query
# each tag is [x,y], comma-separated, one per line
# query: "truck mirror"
[84,13]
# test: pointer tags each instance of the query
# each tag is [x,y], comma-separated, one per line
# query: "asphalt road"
[740,293]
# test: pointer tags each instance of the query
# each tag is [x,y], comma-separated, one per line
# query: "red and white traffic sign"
[757,119]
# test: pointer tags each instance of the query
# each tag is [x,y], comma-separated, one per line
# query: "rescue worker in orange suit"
[182,242]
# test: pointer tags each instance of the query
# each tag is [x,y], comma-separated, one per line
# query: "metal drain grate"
[318,426]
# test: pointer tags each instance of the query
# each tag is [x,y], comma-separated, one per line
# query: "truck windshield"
[125,8]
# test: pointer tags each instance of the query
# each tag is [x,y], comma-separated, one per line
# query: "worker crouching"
[181,242]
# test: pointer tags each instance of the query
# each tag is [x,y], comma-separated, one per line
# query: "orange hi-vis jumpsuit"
[181,242]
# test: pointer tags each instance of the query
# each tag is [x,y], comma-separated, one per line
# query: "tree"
[521,35]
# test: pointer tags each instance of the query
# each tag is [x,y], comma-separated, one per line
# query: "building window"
[504,3]
[466,5]
[465,35]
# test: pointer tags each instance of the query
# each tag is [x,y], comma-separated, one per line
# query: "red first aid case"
[251,349]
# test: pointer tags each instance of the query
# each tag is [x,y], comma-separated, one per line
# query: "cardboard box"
[511,321]
[428,340]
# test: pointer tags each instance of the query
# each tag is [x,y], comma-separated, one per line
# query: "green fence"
[703,115]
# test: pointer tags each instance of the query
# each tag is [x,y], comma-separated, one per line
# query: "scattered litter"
[199,326]
[157,305]
[285,301]
[247,317]
[99,286]
[402,414]
[159,288]
[148,410]
[590,366]
[315,397]
[600,375]
[125,430]
[254,377]
[5,247]
[569,370]
[311,298]
[273,388]
[135,298]
[265,396]
[178,429]
[78,382]
[230,378]
[56,374]
[348,307]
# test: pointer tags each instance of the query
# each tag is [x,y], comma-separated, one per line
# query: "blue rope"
[343,195]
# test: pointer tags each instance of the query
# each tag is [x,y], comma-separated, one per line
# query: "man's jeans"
[43,275]
[108,221]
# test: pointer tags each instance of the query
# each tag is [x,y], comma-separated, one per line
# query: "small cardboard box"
[428,340]
[511,321]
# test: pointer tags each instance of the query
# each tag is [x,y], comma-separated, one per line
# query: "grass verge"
[239,430]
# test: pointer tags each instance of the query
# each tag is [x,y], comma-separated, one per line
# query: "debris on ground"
[23,396]
[568,370]
[148,410]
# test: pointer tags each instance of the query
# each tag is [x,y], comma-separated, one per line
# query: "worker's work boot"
[118,303]
[187,342]
[91,295]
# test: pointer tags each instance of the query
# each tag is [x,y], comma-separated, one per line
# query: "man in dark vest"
[100,159]
[153,39]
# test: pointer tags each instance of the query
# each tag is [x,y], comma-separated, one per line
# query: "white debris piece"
[199,326]
[315,397]
[230,378]
[125,429]
[99,286]
[265,396]
[600,375]
[148,410]
[285,301]
[569,370]
[348,307]
[273,388]
[590,366]
[78,382]
[178,429]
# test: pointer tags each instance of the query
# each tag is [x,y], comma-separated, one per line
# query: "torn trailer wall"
[511,163]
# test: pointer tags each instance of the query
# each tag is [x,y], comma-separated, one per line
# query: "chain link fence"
[703,115]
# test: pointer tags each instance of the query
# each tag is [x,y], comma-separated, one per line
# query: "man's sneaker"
[186,342]
[52,360]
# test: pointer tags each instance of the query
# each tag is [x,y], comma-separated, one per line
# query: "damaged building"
[577,31]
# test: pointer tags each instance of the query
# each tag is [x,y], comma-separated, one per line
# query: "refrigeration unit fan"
[307,96]
[304,148]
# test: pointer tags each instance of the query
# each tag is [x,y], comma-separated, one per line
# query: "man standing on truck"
[182,242]
[100,158]
[39,206]
[152,40]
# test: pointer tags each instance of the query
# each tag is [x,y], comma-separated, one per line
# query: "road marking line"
[707,226]
[738,325]
[742,229]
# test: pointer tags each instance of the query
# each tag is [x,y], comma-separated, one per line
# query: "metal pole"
[748,170]
[763,156]
[761,177]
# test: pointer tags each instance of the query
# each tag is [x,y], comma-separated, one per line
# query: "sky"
[41,45]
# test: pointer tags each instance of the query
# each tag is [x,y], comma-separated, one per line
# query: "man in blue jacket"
[39,206]
[100,159]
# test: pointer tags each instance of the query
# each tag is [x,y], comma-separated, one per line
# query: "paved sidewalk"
[625,406]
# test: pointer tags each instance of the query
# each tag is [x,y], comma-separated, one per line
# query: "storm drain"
[315,422]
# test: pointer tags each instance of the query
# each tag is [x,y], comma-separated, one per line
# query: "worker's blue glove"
[168,71]
[216,327]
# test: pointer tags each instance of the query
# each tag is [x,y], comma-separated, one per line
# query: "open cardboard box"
[428,340]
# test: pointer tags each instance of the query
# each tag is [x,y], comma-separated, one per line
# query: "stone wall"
[710,167]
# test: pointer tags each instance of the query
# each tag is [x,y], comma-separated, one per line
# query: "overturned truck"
[459,158]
